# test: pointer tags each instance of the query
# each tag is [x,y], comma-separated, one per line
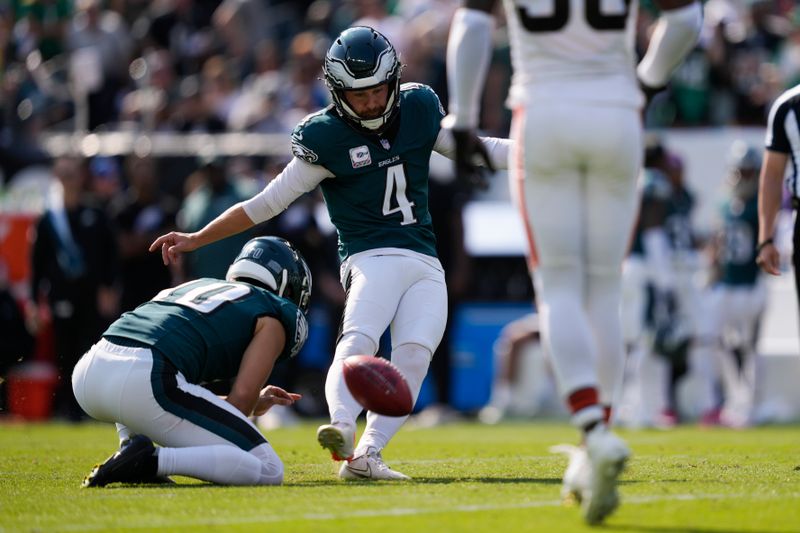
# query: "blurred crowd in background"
[254,65]
[214,66]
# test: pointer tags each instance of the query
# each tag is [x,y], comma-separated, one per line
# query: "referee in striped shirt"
[782,144]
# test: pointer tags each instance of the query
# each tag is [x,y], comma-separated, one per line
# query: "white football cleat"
[607,455]
[339,439]
[370,465]
[577,477]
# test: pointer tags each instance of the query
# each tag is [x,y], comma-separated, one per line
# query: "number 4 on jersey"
[396,186]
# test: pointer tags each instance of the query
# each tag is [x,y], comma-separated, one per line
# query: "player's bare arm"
[770,191]
[234,220]
[259,358]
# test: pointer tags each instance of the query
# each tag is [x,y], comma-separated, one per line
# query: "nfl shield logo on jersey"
[360,157]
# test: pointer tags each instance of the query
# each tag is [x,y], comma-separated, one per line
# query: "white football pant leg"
[611,205]
[704,364]
[223,464]
[416,331]
[343,408]
[580,165]
[634,303]
[634,299]
[422,311]
[405,291]
[743,309]
[413,361]
[369,308]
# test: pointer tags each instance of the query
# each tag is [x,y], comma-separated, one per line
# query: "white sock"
[343,408]
[413,361]
[123,432]
[226,465]
[566,329]
[603,304]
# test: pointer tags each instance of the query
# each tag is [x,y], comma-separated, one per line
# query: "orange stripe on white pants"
[516,177]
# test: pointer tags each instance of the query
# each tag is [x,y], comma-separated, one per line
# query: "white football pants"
[736,312]
[406,292]
[573,176]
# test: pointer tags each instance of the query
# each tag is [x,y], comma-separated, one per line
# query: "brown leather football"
[377,385]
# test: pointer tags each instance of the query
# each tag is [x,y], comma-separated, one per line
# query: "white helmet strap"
[284,282]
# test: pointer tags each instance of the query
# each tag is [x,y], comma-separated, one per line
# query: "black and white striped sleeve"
[783,126]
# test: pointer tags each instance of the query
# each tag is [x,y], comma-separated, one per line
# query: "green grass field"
[467,477]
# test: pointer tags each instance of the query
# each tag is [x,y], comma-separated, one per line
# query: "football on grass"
[377,385]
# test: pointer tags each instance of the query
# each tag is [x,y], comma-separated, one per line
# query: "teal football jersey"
[656,189]
[379,195]
[737,257]
[204,326]
[678,224]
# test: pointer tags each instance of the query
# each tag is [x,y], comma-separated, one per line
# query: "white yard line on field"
[407,511]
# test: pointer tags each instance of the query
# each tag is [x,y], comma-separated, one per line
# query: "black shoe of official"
[134,462]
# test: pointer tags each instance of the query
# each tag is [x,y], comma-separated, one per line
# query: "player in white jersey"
[576,95]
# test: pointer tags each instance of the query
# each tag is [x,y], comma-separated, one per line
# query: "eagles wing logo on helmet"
[341,77]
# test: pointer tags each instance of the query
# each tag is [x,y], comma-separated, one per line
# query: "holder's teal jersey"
[737,257]
[204,326]
[379,195]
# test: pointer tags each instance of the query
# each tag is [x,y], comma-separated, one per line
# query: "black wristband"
[764,243]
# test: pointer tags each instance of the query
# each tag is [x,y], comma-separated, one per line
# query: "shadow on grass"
[150,486]
[417,480]
[669,529]
[486,479]
[426,481]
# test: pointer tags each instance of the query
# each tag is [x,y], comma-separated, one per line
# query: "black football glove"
[470,152]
